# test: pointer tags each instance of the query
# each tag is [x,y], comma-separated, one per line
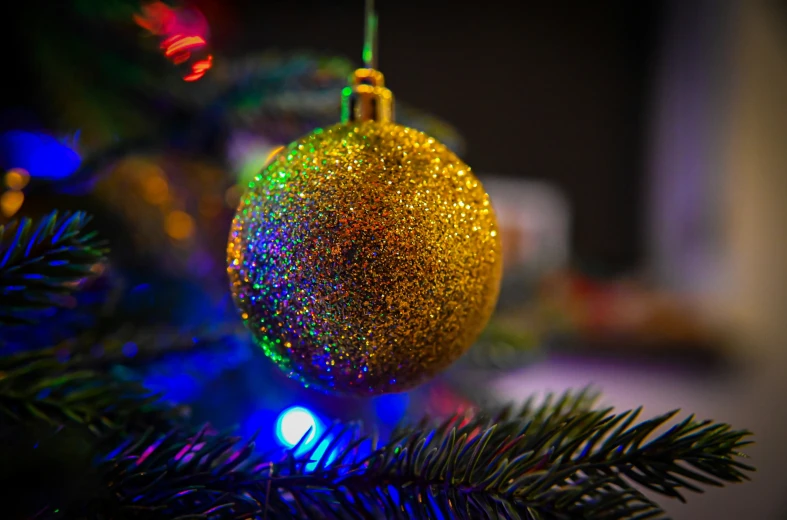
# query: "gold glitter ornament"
[365,258]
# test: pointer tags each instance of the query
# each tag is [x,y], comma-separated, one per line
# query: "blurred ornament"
[175,213]
[365,258]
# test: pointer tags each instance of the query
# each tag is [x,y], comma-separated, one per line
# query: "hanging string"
[370,37]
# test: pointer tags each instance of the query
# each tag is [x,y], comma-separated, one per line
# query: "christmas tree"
[121,356]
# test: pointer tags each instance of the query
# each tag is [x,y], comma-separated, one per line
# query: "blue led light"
[293,423]
[391,408]
[319,453]
[43,156]
[130,349]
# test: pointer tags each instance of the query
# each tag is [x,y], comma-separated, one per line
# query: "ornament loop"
[370,37]
[367,99]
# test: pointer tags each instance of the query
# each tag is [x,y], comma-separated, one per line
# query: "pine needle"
[41,263]
[558,460]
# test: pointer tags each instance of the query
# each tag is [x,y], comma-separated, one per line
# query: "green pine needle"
[37,387]
[558,460]
[43,262]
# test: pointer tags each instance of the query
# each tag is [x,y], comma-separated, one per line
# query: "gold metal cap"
[367,99]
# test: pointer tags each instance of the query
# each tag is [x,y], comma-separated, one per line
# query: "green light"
[367,53]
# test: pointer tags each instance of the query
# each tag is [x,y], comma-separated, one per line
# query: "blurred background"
[636,154]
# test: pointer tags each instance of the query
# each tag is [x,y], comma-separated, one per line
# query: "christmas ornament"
[365,258]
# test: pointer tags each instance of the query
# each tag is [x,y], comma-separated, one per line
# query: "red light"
[182,43]
[193,77]
[199,68]
[160,19]
[202,65]
[183,30]
[156,18]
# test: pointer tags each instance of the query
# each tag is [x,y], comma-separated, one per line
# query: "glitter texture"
[365,258]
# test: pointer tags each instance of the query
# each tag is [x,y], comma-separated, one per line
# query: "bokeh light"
[155,189]
[10,202]
[179,225]
[210,205]
[391,408]
[40,155]
[199,68]
[295,422]
[17,178]
[232,196]
[184,31]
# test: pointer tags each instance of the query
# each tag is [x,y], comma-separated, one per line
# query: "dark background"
[556,92]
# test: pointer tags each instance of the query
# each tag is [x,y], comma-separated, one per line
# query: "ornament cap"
[367,99]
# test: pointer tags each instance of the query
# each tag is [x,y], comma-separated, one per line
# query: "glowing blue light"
[130,349]
[293,423]
[391,408]
[43,156]
[319,453]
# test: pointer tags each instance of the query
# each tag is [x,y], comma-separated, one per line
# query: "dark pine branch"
[99,351]
[558,460]
[37,387]
[41,263]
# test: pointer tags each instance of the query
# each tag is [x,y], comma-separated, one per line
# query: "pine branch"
[559,460]
[38,387]
[41,263]
[99,351]
[69,384]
